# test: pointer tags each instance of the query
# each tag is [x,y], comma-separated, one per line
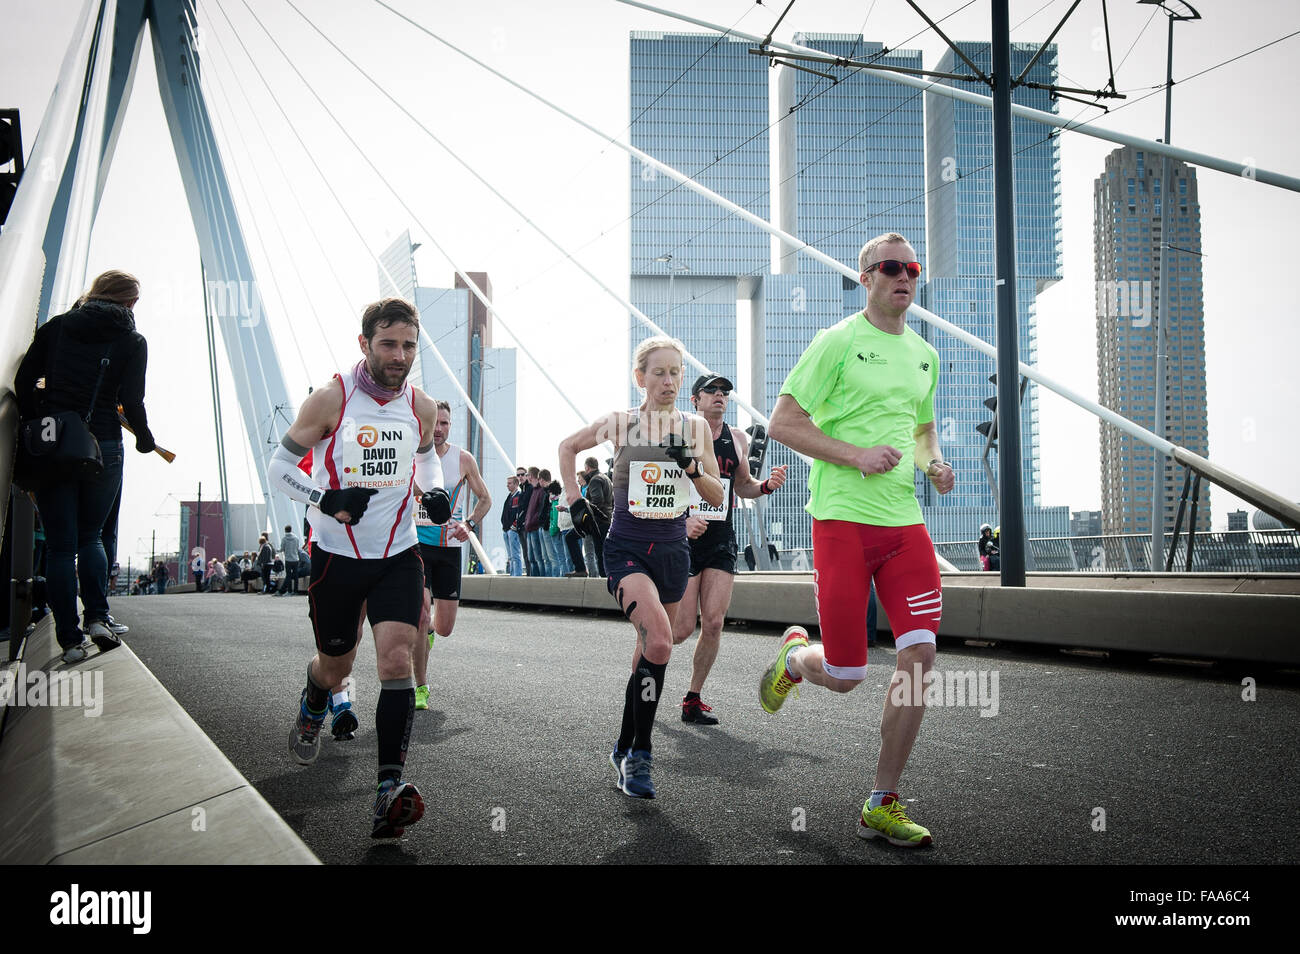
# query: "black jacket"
[510,510]
[66,352]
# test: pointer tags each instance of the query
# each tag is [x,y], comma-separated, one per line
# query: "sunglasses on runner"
[714,389]
[893,268]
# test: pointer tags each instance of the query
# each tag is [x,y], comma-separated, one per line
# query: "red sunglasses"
[893,268]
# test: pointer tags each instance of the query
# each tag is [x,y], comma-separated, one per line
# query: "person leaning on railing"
[65,358]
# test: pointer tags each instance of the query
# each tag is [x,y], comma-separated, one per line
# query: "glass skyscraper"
[852,161]
[962,270]
[1127,223]
[699,104]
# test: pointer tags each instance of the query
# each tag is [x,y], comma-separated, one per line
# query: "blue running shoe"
[636,775]
[304,737]
[397,805]
[616,759]
[344,724]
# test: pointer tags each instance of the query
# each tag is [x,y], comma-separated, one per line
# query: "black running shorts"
[714,552]
[390,589]
[441,571]
[666,562]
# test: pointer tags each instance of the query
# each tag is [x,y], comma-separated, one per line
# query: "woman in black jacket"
[58,373]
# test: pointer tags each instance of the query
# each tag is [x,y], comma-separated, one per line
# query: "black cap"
[704,380]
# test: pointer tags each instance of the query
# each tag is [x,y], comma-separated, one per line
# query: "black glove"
[144,443]
[584,520]
[354,500]
[437,504]
[680,453]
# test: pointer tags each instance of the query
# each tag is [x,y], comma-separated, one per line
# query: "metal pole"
[1011,511]
[1163,285]
[23,530]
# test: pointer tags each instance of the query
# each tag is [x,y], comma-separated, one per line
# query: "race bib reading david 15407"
[657,490]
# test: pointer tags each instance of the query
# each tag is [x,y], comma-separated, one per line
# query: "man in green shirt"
[860,401]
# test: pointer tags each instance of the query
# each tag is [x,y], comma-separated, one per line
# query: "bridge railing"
[1233,551]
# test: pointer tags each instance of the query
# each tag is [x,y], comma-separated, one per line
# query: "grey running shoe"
[118,629]
[304,737]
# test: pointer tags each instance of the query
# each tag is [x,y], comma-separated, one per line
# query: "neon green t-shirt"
[866,387]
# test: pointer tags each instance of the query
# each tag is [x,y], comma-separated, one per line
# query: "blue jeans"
[539,559]
[515,559]
[73,514]
[559,558]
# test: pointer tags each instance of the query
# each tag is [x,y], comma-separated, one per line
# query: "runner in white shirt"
[371,437]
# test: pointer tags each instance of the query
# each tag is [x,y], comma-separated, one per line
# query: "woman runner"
[659,453]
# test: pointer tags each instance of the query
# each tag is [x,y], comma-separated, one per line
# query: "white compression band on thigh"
[287,478]
[844,672]
[915,637]
[428,469]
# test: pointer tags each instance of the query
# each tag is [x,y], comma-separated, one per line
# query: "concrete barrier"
[137,783]
[1226,617]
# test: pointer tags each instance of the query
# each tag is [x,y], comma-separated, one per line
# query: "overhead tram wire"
[767,129]
[288,181]
[804,247]
[221,249]
[625,303]
[487,430]
[831,151]
[471,285]
[252,216]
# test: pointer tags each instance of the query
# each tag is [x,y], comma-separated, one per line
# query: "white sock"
[789,667]
[337,699]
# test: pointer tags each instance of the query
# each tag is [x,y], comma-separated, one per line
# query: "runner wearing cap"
[713,542]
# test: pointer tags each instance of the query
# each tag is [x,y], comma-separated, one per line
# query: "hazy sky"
[317,273]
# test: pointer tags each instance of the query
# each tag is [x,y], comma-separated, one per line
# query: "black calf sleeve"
[393,716]
[649,686]
[628,730]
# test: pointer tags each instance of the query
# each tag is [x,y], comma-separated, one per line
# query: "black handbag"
[58,445]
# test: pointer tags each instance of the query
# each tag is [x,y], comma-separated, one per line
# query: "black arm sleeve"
[130,393]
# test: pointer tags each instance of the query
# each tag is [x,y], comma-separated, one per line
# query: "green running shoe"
[421,697]
[891,823]
[776,683]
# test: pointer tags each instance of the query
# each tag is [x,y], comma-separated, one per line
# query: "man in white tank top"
[440,546]
[371,438]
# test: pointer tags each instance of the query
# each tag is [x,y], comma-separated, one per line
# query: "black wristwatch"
[473,527]
[315,496]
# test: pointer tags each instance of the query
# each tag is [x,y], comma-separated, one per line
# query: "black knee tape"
[627,611]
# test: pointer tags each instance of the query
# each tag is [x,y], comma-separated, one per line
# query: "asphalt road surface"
[1082,763]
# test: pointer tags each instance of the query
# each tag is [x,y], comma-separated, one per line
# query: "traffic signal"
[757,447]
[990,428]
[11,159]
